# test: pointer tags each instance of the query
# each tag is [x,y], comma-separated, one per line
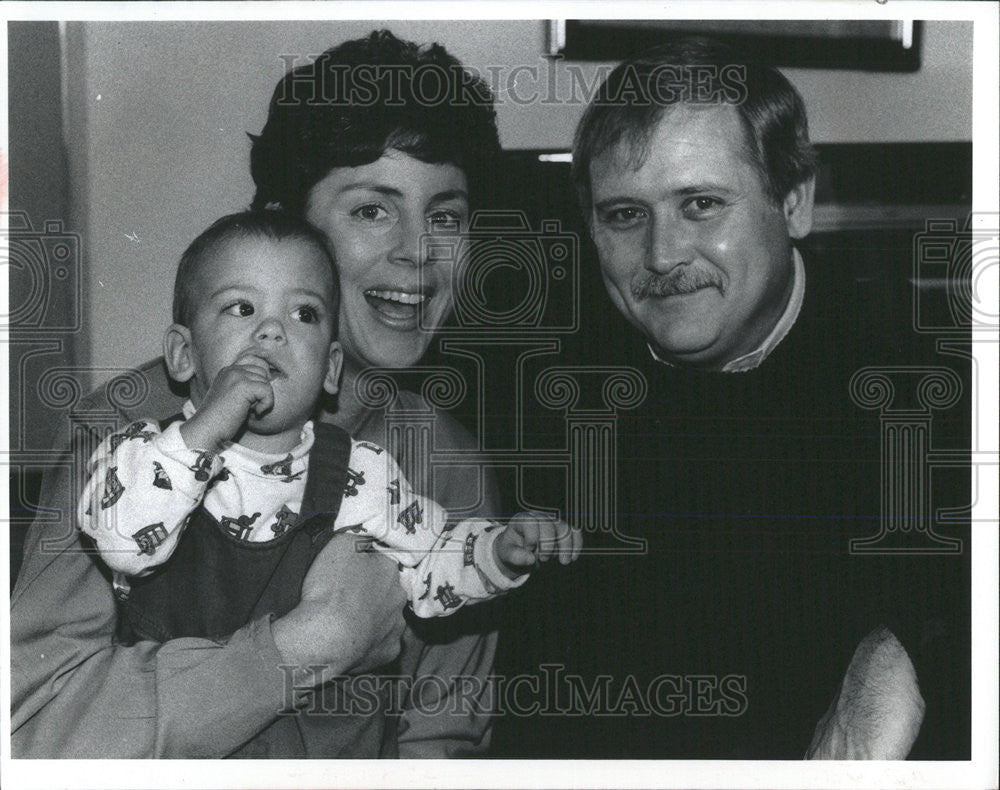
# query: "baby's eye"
[370,212]
[241,309]
[306,314]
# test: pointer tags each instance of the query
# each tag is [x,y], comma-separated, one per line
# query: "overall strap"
[326,480]
[164,424]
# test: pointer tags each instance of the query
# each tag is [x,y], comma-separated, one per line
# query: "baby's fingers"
[518,557]
[253,364]
[525,526]
[575,546]
[557,540]
[568,541]
[551,533]
[263,398]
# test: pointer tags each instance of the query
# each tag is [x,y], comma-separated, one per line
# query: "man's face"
[693,251]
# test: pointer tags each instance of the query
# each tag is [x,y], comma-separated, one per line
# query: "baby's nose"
[270,329]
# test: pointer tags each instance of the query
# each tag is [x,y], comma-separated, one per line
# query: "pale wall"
[158,115]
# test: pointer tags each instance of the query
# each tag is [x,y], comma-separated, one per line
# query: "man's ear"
[798,208]
[332,381]
[177,352]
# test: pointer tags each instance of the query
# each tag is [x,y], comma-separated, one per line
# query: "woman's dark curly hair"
[361,98]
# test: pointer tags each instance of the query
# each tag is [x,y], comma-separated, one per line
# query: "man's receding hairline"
[636,142]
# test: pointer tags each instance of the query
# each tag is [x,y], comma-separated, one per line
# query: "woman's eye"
[445,220]
[241,309]
[370,212]
[307,315]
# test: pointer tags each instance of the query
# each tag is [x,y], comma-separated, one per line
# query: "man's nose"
[270,329]
[669,246]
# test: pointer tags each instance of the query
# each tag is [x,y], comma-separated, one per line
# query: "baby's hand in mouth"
[255,359]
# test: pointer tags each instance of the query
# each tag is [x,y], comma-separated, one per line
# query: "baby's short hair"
[263,224]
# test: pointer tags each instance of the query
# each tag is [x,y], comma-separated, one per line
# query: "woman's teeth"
[401,297]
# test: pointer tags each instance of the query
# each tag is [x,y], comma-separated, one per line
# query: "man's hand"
[350,618]
[238,390]
[532,538]
[878,710]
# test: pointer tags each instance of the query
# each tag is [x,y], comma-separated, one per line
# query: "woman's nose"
[408,247]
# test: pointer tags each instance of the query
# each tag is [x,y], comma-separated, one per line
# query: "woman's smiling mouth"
[401,308]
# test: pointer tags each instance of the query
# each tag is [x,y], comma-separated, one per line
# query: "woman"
[375,177]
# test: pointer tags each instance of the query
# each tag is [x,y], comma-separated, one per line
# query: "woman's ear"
[332,381]
[178,353]
[798,208]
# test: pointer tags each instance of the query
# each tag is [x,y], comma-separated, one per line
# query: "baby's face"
[271,299]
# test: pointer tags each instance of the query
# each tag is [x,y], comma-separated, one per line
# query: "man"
[693,217]
[748,469]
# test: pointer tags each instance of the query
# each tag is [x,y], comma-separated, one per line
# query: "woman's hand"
[350,618]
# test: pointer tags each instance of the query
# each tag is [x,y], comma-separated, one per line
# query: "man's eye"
[370,212]
[307,315]
[624,216]
[702,206]
[241,309]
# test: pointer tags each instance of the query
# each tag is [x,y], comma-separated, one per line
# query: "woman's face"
[377,217]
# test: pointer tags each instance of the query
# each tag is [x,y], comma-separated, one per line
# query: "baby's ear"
[177,352]
[332,381]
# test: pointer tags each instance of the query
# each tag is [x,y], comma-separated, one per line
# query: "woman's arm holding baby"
[76,693]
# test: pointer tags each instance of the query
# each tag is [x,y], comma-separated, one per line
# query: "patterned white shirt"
[144,484]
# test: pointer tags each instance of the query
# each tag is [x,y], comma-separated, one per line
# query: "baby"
[214,517]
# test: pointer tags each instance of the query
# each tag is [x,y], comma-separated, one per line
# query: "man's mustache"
[681,280]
